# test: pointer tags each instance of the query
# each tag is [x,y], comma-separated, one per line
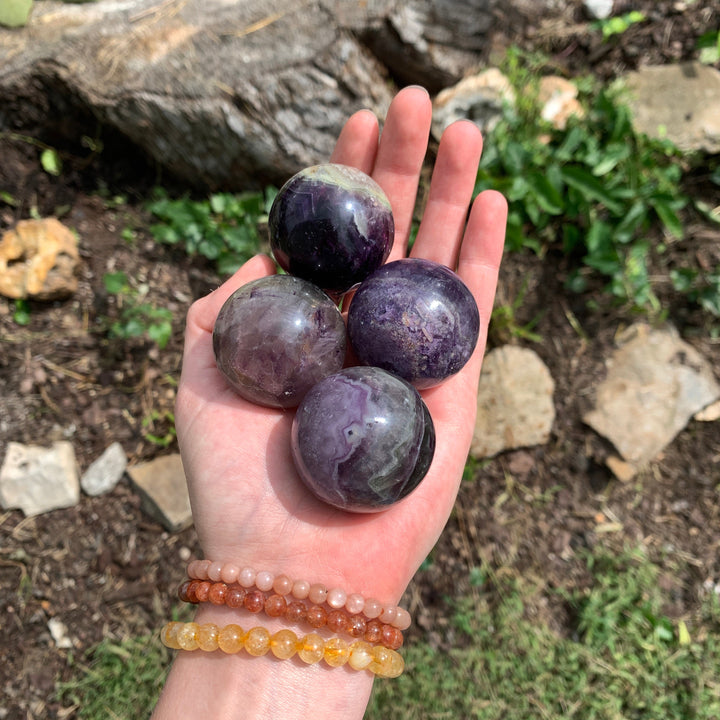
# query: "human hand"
[249,505]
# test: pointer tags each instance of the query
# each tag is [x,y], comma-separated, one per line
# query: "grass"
[621,659]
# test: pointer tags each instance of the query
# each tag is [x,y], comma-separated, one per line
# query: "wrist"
[243,686]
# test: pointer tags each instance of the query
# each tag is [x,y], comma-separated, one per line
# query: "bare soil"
[107,570]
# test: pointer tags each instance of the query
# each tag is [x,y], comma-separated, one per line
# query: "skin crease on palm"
[249,505]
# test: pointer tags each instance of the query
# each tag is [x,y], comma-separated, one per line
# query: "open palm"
[249,504]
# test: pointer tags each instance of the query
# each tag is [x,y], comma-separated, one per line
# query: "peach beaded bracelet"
[283,644]
[317,593]
[255,601]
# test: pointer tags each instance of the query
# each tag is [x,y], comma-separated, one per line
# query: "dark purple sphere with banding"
[332,225]
[362,439]
[276,337]
[415,318]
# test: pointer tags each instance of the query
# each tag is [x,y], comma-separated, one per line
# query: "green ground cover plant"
[224,228]
[606,197]
[624,658]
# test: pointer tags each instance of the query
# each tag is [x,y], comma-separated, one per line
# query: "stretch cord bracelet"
[283,644]
[295,611]
[316,593]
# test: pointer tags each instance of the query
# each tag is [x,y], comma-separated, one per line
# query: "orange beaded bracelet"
[283,644]
[295,611]
[317,593]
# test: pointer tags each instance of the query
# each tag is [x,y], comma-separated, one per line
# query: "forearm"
[202,684]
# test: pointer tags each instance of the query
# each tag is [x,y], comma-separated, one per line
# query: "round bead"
[360,655]
[207,637]
[311,648]
[391,637]
[217,593]
[230,639]
[202,589]
[338,621]
[301,589]
[247,577]
[284,644]
[386,663]
[192,591]
[202,569]
[257,641]
[168,635]
[275,606]
[264,581]
[388,614]
[192,568]
[357,626]
[283,585]
[355,603]
[235,597]
[316,616]
[213,571]
[402,619]
[373,631]
[318,593]
[372,609]
[182,591]
[187,636]
[336,652]
[229,573]
[336,598]
[254,601]
[295,611]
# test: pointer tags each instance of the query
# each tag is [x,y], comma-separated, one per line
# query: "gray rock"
[163,490]
[105,472]
[655,383]
[38,479]
[679,102]
[599,9]
[515,402]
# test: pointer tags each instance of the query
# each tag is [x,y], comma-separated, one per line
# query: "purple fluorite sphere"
[415,318]
[332,225]
[275,337]
[362,439]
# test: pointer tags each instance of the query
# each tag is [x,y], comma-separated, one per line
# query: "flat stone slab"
[163,489]
[39,479]
[677,102]
[515,402]
[655,383]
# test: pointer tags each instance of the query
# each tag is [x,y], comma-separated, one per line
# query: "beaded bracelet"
[295,611]
[283,644]
[317,593]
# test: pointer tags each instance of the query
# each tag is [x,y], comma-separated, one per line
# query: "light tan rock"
[479,98]
[163,490]
[39,479]
[655,383]
[678,102]
[558,98]
[38,259]
[515,402]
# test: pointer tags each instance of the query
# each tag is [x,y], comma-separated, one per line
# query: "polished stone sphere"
[415,318]
[332,225]
[362,439]
[276,337]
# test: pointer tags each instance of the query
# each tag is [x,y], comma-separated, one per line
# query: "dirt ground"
[106,570]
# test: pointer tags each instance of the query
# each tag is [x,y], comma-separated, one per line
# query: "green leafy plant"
[708,45]
[223,228]
[153,425]
[21,315]
[593,191]
[618,24]
[136,317]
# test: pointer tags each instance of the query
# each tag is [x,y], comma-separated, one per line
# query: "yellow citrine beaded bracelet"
[283,644]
